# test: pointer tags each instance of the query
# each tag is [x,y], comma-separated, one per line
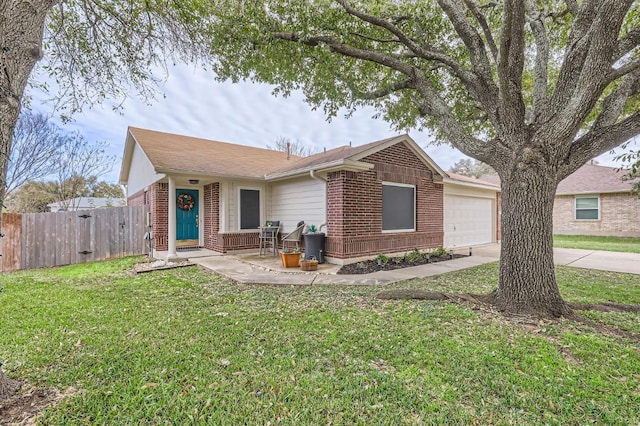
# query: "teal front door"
[187,214]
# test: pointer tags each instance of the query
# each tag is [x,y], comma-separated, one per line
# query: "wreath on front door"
[185,202]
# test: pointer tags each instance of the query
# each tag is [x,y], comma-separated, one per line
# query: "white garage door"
[467,221]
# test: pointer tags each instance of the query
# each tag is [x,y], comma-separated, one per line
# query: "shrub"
[439,252]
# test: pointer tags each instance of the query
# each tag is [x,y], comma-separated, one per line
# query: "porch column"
[172,255]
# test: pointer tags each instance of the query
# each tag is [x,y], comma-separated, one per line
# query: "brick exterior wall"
[157,197]
[619,216]
[137,199]
[354,206]
[211,207]
[213,239]
[159,201]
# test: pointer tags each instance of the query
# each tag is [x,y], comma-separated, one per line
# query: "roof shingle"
[588,179]
[170,152]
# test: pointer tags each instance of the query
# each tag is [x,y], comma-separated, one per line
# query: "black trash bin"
[314,246]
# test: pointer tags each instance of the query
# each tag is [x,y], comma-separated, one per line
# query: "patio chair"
[269,236]
[294,236]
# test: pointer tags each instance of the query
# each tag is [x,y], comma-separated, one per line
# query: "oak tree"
[533,88]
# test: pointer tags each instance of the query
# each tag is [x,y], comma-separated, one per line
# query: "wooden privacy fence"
[35,240]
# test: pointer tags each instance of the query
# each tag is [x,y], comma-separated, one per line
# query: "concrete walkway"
[242,270]
[267,270]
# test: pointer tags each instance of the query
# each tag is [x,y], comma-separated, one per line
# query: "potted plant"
[290,258]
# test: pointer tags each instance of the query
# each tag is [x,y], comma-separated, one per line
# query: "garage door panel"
[467,221]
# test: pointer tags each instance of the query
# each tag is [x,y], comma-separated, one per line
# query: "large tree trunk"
[21,35]
[21,38]
[527,283]
[8,387]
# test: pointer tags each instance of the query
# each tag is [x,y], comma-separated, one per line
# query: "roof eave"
[325,168]
[472,184]
[411,144]
[196,173]
[600,191]
[127,157]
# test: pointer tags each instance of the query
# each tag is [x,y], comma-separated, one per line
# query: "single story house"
[86,203]
[383,197]
[594,200]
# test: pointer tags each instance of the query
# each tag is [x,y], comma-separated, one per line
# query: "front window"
[249,209]
[587,208]
[398,207]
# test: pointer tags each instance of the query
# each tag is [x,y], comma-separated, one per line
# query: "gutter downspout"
[313,175]
[318,178]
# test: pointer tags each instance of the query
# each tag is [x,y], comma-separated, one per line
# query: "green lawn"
[588,242]
[185,347]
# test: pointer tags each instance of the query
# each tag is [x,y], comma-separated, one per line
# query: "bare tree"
[472,168]
[294,148]
[36,150]
[79,161]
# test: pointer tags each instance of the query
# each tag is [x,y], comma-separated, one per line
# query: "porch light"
[194,181]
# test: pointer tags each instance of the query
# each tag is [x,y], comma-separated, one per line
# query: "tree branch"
[432,103]
[511,66]
[337,46]
[381,93]
[614,104]
[477,13]
[625,69]
[575,53]
[626,44]
[485,87]
[377,40]
[572,6]
[468,79]
[541,74]
[587,67]
[598,141]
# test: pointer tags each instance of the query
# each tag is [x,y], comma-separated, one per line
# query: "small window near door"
[398,207]
[249,209]
[587,208]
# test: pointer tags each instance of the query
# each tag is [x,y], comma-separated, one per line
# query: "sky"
[192,103]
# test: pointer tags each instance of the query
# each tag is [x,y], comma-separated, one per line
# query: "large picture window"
[398,207]
[249,209]
[588,208]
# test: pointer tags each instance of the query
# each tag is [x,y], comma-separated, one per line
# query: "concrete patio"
[250,268]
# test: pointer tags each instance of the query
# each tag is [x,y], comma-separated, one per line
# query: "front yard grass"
[590,242]
[184,346]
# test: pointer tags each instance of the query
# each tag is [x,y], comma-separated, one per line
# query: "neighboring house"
[594,200]
[383,197]
[86,203]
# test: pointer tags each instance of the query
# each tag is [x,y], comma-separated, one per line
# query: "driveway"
[578,258]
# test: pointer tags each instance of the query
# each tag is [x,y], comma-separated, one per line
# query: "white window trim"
[575,207]
[239,212]
[415,208]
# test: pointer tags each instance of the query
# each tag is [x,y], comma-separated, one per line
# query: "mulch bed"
[369,266]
